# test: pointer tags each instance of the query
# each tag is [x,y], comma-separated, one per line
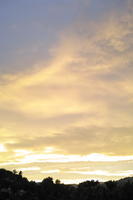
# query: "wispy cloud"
[78,102]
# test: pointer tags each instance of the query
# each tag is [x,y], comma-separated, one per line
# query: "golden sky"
[66,89]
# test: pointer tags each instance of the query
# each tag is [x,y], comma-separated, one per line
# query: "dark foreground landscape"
[13,186]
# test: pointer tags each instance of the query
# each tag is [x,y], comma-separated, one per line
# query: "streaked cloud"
[75,107]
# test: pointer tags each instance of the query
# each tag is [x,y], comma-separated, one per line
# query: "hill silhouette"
[13,186]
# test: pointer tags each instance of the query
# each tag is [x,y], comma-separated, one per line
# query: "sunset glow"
[66,89]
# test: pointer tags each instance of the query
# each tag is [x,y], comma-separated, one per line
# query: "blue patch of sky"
[29,28]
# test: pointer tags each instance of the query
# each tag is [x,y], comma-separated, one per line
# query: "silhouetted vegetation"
[13,186]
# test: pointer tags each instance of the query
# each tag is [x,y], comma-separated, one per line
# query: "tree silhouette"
[15,187]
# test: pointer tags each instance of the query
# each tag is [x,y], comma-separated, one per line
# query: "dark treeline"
[13,186]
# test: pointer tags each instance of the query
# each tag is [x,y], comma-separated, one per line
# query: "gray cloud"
[83,140]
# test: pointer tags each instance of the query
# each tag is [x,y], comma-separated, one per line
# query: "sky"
[66,89]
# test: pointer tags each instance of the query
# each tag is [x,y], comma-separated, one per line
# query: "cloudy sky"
[66,88]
